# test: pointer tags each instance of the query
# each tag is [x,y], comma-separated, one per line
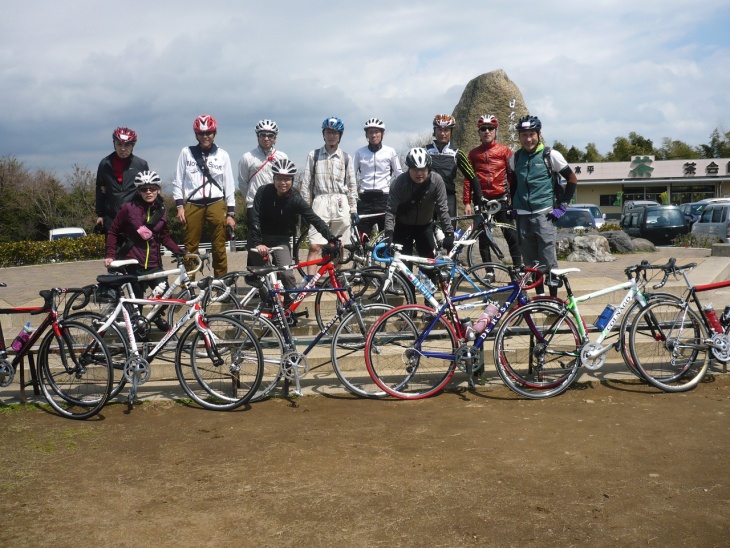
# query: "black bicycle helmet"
[529,123]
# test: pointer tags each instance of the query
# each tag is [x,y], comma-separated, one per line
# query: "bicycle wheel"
[327,304]
[74,371]
[223,372]
[301,249]
[348,345]
[406,356]
[473,255]
[628,319]
[537,350]
[116,342]
[667,346]
[480,277]
[220,298]
[273,349]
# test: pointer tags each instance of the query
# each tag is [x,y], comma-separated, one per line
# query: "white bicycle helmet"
[418,158]
[374,123]
[267,126]
[147,178]
[283,166]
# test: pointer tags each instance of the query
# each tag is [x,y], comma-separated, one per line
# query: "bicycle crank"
[137,370]
[295,365]
[721,347]
[593,356]
[7,373]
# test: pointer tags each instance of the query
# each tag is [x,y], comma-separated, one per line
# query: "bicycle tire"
[116,342]
[273,349]
[327,304]
[225,386]
[473,255]
[482,277]
[74,371]
[667,346]
[625,327]
[348,346]
[537,350]
[393,352]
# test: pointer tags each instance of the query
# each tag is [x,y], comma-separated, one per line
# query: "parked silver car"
[599,219]
[714,221]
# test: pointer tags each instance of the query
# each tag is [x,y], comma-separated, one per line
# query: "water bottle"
[304,281]
[22,339]
[458,233]
[158,290]
[425,280]
[606,315]
[712,319]
[489,311]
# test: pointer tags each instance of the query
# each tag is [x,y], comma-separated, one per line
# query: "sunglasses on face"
[267,135]
[487,128]
[148,189]
[205,133]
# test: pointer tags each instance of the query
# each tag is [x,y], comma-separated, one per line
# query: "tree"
[592,155]
[676,150]
[635,145]
[718,147]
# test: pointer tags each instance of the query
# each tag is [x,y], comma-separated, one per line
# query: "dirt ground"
[615,463]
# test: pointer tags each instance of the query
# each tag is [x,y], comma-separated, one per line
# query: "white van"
[637,204]
[71,232]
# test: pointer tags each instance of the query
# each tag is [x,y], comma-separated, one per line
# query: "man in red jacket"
[490,163]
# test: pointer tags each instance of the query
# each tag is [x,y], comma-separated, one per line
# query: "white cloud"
[75,70]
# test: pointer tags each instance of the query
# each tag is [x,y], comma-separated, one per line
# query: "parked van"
[71,232]
[713,221]
[658,224]
[634,204]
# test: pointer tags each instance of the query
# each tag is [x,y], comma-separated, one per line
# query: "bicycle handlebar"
[382,259]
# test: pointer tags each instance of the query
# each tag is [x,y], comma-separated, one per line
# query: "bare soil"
[609,464]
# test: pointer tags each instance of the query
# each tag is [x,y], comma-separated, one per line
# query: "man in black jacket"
[274,217]
[115,176]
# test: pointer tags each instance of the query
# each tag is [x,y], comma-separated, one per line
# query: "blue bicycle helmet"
[529,123]
[333,123]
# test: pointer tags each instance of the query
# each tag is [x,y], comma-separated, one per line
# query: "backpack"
[558,190]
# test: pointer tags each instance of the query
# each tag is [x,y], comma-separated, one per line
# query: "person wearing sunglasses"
[489,160]
[204,192]
[115,177]
[138,231]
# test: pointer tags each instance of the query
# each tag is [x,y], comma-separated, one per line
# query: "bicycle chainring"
[467,358]
[592,363]
[294,363]
[137,366]
[7,373]
[721,347]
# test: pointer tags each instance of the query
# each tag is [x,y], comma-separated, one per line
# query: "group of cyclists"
[333,190]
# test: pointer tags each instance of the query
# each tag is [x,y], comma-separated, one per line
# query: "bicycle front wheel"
[537,350]
[348,345]
[221,367]
[273,349]
[667,346]
[74,371]
[408,354]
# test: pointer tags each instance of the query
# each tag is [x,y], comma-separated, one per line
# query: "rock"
[641,245]
[619,241]
[591,249]
[490,93]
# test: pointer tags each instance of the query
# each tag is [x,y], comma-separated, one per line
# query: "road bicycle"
[104,302]
[218,361]
[413,351]
[517,352]
[483,224]
[73,369]
[272,323]
[673,341]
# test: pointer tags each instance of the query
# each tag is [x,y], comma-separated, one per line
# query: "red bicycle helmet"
[125,135]
[487,120]
[205,122]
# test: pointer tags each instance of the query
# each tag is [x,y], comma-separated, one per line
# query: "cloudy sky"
[71,71]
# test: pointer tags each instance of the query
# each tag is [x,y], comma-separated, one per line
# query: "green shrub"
[64,250]
[696,240]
